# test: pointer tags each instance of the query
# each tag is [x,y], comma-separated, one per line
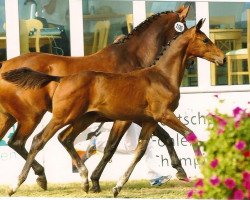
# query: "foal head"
[201,46]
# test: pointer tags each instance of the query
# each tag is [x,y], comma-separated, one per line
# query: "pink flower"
[238,114]
[214,180]
[246,185]
[246,175]
[230,183]
[214,163]
[237,111]
[190,194]
[191,137]
[222,123]
[246,180]
[238,194]
[200,193]
[199,182]
[240,145]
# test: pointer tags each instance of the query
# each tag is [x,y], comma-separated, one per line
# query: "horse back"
[110,59]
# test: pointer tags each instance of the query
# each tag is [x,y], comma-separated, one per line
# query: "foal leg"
[147,130]
[173,122]
[118,130]
[37,144]
[24,129]
[67,138]
[175,161]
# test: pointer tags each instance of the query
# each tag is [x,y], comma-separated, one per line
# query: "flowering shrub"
[226,170]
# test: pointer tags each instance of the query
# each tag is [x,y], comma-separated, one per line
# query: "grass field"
[174,189]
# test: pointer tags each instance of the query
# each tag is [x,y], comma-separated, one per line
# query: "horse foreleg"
[169,119]
[18,141]
[118,130]
[67,138]
[147,130]
[37,144]
[175,161]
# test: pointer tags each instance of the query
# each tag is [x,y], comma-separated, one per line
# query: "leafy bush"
[226,169]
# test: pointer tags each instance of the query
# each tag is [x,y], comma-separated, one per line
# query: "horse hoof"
[42,182]
[10,192]
[95,189]
[116,191]
[85,187]
[181,175]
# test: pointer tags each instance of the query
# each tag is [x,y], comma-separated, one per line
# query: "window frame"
[139,12]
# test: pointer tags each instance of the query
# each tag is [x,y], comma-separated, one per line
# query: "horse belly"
[120,108]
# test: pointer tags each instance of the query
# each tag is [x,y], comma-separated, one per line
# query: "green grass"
[174,189]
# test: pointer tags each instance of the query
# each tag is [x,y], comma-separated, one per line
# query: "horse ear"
[180,9]
[199,24]
[183,12]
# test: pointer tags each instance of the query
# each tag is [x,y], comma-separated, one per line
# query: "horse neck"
[145,45]
[172,62]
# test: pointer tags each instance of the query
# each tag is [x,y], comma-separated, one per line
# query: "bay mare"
[146,96]
[28,107]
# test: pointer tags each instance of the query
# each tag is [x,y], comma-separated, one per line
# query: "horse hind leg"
[175,161]
[147,130]
[6,122]
[38,143]
[118,130]
[67,138]
[18,141]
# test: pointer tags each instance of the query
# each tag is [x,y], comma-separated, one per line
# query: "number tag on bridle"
[179,27]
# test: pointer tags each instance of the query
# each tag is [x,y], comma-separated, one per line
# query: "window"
[229,30]
[103,21]
[44,26]
[2,32]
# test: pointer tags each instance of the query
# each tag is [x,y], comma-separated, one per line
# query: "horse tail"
[28,78]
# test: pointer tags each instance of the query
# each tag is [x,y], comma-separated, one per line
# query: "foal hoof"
[116,191]
[42,182]
[85,187]
[181,175]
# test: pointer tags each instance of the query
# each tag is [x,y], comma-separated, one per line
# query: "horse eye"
[206,40]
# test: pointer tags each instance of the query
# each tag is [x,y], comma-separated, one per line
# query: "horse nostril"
[225,60]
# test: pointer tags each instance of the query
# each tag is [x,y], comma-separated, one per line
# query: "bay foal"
[28,107]
[145,96]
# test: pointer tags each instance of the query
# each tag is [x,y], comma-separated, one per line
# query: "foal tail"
[29,79]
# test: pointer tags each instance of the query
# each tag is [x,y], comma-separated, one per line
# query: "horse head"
[201,46]
[171,18]
[154,32]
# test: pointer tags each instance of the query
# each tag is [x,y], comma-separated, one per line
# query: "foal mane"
[143,25]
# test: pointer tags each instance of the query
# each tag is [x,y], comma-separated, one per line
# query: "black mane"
[142,25]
